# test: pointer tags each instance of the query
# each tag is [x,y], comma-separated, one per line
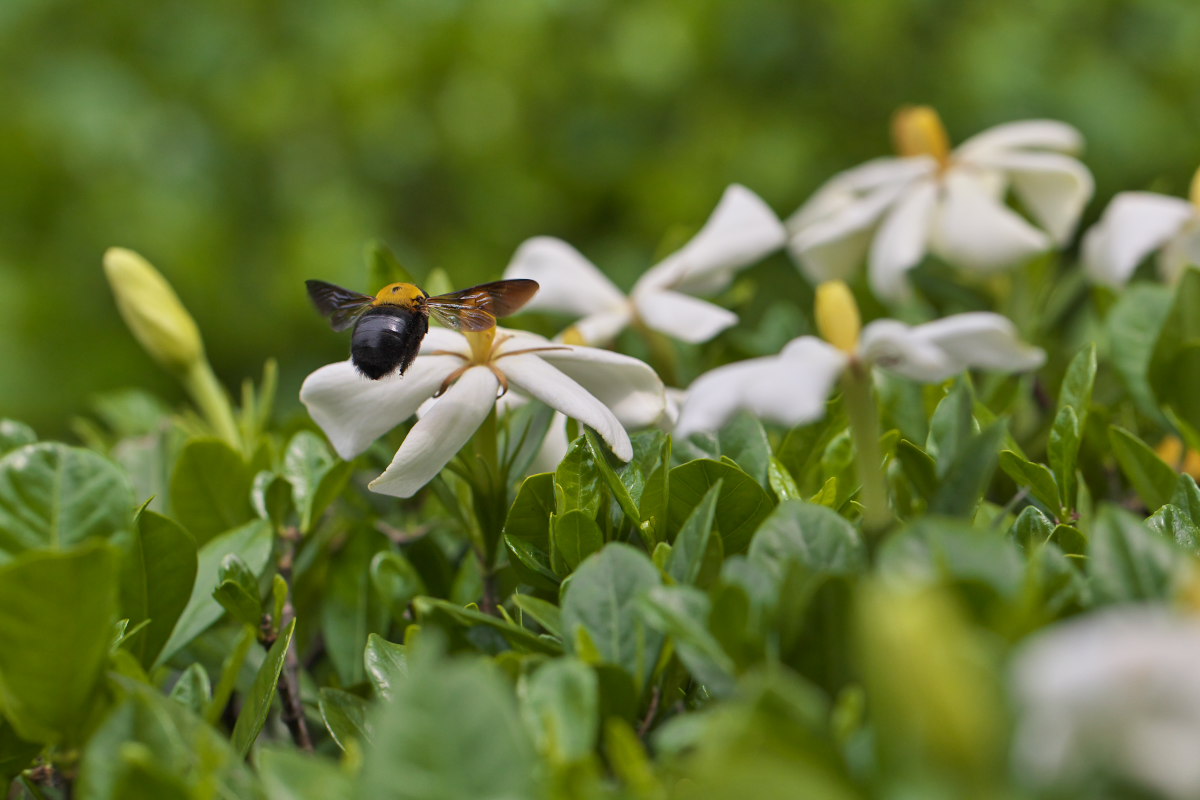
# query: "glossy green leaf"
[351,608]
[951,427]
[315,474]
[575,537]
[383,266]
[1032,528]
[608,465]
[1127,561]
[919,467]
[930,550]
[545,614]
[741,504]
[193,690]
[16,754]
[963,485]
[15,434]
[742,440]
[293,775]
[55,496]
[1133,325]
[271,497]
[386,663]
[1063,449]
[811,535]
[396,581]
[517,637]
[681,612]
[1176,355]
[57,611]
[601,600]
[527,530]
[210,488]
[655,497]
[252,543]
[1036,477]
[1150,476]
[237,591]
[1174,523]
[258,702]
[561,702]
[158,571]
[345,716]
[692,542]
[1076,390]
[577,480]
[781,481]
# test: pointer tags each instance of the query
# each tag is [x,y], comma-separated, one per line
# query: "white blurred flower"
[792,387]
[930,199]
[741,231]
[1136,224]
[465,373]
[1113,694]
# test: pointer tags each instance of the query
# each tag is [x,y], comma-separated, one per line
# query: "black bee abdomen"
[386,338]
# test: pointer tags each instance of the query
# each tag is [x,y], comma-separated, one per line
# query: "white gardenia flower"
[951,203]
[791,388]
[466,373]
[1136,224]
[1114,694]
[741,231]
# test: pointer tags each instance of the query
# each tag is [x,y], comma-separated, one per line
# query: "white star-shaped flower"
[466,373]
[741,231]
[791,388]
[1136,224]
[892,211]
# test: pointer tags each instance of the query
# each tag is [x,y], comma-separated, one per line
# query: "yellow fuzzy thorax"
[399,294]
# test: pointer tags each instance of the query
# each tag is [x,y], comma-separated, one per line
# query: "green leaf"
[1151,477]
[345,716]
[1063,449]
[951,427]
[970,472]
[1032,528]
[1076,391]
[147,743]
[1174,523]
[55,496]
[919,467]
[1037,477]
[352,609]
[1187,497]
[577,480]
[604,459]
[383,267]
[781,482]
[931,550]
[655,498]
[237,591]
[396,581]
[193,690]
[258,702]
[741,504]
[692,543]
[15,434]
[294,775]
[576,536]
[681,612]
[742,439]
[231,670]
[1176,356]
[517,637]
[252,543]
[601,600]
[57,611]
[561,703]
[16,754]
[315,474]
[1133,325]
[271,497]
[545,614]
[158,570]
[527,530]
[386,664]
[811,535]
[486,753]
[1127,561]
[210,488]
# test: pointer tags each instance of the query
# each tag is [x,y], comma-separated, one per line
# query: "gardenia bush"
[939,540]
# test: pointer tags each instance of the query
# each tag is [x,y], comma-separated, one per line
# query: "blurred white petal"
[937,350]
[891,344]
[601,328]
[686,318]
[790,388]
[354,410]
[1031,134]
[627,386]
[858,183]
[1053,187]
[569,282]
[537,378]
[1134,225]
[443,340]
[902,239]
[973,230]
[741,231]
[1180,252]
[439,434]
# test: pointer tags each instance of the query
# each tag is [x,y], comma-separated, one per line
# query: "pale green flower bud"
[153,312]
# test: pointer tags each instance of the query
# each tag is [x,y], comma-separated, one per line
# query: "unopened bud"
[918,131]
[152,311]
[838,320]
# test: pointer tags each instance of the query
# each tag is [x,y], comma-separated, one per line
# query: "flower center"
[918,131]
[838,320]
[481,344]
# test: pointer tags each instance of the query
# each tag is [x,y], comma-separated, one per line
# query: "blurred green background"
[243,147]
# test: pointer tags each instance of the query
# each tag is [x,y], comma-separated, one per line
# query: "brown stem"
[651,712]
[289,679]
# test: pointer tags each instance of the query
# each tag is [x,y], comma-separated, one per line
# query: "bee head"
[405,295]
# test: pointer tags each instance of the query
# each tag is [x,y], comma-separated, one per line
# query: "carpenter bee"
[389,327]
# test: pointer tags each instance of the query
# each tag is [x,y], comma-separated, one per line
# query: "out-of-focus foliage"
[246,147]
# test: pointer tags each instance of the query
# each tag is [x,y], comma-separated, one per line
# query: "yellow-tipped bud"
[838,320]
[481,344]
[918,131]
[152,311]
[1194,194]
[573,336]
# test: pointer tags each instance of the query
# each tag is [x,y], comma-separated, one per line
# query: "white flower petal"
[1134,225]
[602,327]
[439,434]
[857,183]
[354,410]
[741,230]
[627,386]
[1030,134]
[1053,187]
[685,318]
[972,230]
[569,282]
[537,378]
[902,239]
[440,340]
[937,350]
[1180,252]
[790,388]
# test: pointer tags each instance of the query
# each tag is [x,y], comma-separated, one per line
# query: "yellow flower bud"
[152,311]
[573,336]
[918,131]
[838,320]
[1194,194]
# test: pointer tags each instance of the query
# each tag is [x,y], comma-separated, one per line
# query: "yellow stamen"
[574,336]
[1194,194]
[481,344]
[838,320]
[918,131]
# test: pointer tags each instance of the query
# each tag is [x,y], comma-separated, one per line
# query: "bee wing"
[477,308]
[342,306]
